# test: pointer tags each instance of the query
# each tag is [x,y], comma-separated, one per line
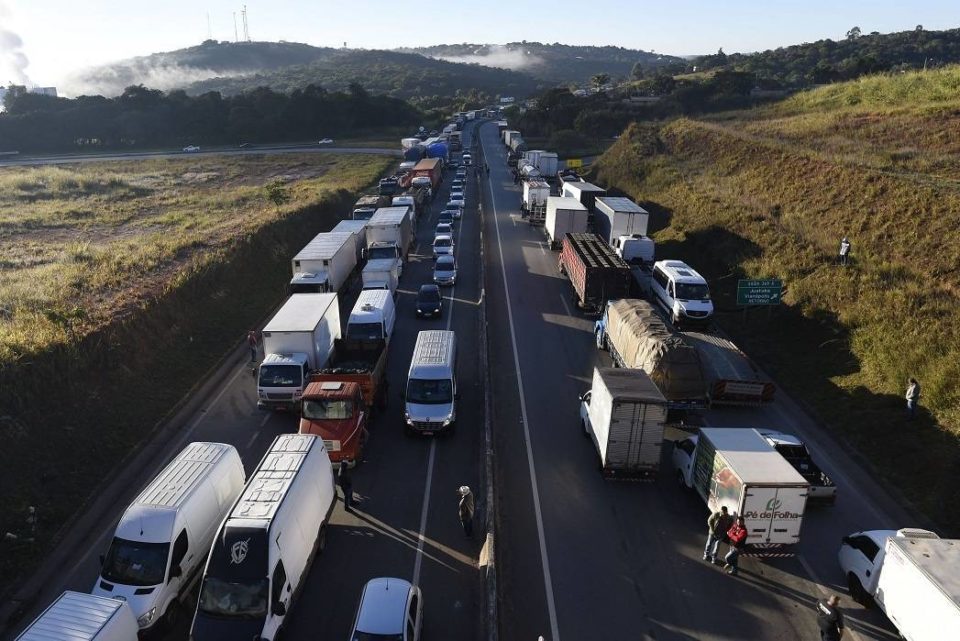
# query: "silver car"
[389,609]
[445,270]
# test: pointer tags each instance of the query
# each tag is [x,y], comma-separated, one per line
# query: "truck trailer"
[359,228]
[534,205]
[325,263]
[617,216]
[584,192]
[563,216]
[595,271]
[390,226]
[431,168]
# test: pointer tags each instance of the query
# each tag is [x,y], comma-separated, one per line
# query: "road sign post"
[764,291]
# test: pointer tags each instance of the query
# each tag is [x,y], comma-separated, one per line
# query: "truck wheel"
[857,593]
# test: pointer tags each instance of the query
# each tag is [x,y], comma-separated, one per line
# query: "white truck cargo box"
[325,263]
[75,616]
[548,163]
[585,193]
[616,216]
[358,227]
[564,216]
[391,225]
[382,273]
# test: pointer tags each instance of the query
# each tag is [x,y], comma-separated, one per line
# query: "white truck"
[737,468]
[624,224]
[359,228]
[624,414]
[297,340]
[382,273]
[564,216]
[390,227]
[75,616]
[548,163]
[534,205]
[324,264]
[911,574]
[509,135]
[584,192]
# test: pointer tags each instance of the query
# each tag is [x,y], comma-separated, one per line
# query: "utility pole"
[236,38]
[246,28]
[209,28]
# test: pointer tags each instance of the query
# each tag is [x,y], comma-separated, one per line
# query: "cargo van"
[161,543]
[264,549]
[75,616]
[432,384]
[373,316]
[682,292]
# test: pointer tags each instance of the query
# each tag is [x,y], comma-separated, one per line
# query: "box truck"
[624,224]
[624,414]
[431,168]
[382,273]
[737,468]
[297,340]
[324,264]
[359,228]
[585,193]
[75,616]
[595,271]
[534,205]
[389,227]
[564,216]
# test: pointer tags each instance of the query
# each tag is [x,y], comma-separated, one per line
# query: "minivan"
[682,292]
[432,384]
[263,551]
[161,542]
[373,316]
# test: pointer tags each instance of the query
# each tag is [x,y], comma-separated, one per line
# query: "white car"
[326,141]
[455,203]
[443,229]
[445,270]
[456,212]
[389,609]
[467,159]
[191,148]
[443,245]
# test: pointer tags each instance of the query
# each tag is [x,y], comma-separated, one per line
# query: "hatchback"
[443,245]
[429,301]
[445,271]
[389,609]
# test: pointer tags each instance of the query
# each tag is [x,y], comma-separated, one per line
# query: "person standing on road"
[717,526]
[737,537]
[252,343]
[913,397]
[465,509]
[844,251]
[830,619]
[344,476]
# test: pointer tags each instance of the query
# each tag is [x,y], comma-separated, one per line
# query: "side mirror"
[176,571]
[279,608]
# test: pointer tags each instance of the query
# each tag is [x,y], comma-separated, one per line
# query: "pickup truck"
[822,489]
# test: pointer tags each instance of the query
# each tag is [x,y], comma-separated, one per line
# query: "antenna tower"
[209,28]
[236,38]
[246,28]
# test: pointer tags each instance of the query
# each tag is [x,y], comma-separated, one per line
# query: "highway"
[405,522]
[585,558]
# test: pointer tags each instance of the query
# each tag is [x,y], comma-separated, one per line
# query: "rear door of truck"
[774,513]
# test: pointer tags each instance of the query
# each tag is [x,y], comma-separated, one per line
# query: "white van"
[373,316]
[162,540]
[432,384]
[75,616]
[682,292]
[264,548]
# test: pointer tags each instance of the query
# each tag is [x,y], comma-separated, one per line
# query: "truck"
[534,205]
[732,377]
[359,229]
[361,361]
[624,415]
[76,616]
[548,163]
[584,192]
[390,227]
[366,206]
[325,263]
[822,489]
[382,273]
[736,468]
[563,216]
[508,136]
[638,338]
[297,340]
[911,574]
[335,411]
[617,216]
[517,144]
[595,271]
[432,168]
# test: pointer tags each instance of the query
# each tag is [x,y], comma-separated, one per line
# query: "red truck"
[432,168]
[335,411]
[595,270]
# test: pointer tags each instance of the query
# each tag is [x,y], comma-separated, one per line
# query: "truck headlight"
[146,619]
[262,393]
[447,421]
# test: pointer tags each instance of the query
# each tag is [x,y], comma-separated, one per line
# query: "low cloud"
[498,56]
[111,80]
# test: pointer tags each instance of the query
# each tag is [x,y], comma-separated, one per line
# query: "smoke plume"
[13,62]
[111,80]
[498,56]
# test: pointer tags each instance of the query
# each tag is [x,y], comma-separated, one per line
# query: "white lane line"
[251,440]
[542,250]
[566,306]
[266,418]
[547,582]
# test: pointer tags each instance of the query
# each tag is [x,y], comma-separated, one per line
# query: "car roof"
[443,237]
[429,287]
[383,606]
[446,258]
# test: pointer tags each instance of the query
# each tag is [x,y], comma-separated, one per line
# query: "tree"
[854,33]
[599,80]
[277,193]
[637,72]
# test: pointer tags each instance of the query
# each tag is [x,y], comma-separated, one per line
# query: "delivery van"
[373,316]
[431,391]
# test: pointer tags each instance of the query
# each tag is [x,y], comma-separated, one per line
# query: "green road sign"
[759,292]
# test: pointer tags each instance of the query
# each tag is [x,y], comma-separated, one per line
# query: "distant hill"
[554,63]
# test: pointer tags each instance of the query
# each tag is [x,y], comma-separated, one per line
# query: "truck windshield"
[689,291]
[381,252]
[280,376]
[136,563]
[370,331]
[323,409]
[241,599]
[427,391]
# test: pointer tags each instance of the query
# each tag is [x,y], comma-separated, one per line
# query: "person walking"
[345,477]
[844,251]
[252,343]
[465,509]
[717,525]
[913,397]
[830,619]
[737,537]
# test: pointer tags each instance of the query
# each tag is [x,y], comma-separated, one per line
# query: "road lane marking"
[542,250]
[547,581]
[251,441]
[207,411]
[266,418]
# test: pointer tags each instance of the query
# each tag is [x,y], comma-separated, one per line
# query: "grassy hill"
[770,192]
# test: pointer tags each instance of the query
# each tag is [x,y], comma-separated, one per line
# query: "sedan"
[457,185]
[455,202]
[443,245]
[445,218]
[326,141]
[445,271]
[191,148]
[443,229]
[455,212]
[389,609]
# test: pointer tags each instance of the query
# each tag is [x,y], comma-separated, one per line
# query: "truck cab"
[335,411]
[635,249]
[378,250]
[281,379]
[309,283]
[861,558]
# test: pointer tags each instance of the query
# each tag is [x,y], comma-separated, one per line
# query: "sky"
[43,41]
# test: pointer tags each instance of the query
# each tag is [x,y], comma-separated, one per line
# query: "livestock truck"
[595,271]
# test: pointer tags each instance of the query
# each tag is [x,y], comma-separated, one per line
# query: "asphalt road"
[405,522]
[585,558]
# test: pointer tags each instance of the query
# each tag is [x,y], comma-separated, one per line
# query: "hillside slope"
[770,193]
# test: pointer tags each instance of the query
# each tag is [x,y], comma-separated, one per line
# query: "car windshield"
[364,330]
[442,242]
[429,391]
[689,291]
[446,218]
[280,375]
[136,563]
[322,409]
[368,636]
[240,599]
[444,264]
[429,296]
[382,252]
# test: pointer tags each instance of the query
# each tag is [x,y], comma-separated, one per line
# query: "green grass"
[770,192]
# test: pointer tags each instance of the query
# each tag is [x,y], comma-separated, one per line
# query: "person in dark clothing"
[252,343]
[717,526]
[465,509]
[346,484]
[830,619]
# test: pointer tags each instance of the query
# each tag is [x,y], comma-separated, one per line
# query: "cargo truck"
[359,228]
[624,414]
[75,616]
[335,411]
[534,205]
[616,217]
[325,263]
[736,468]
[508,136]
[390,227]
[547,164]
[360,361]
[563,216]
[297,340]
[366,206]
[584,192]
[911,574]
[638,338]
[382,273]
[432,168]
[517,144]
[595,271]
